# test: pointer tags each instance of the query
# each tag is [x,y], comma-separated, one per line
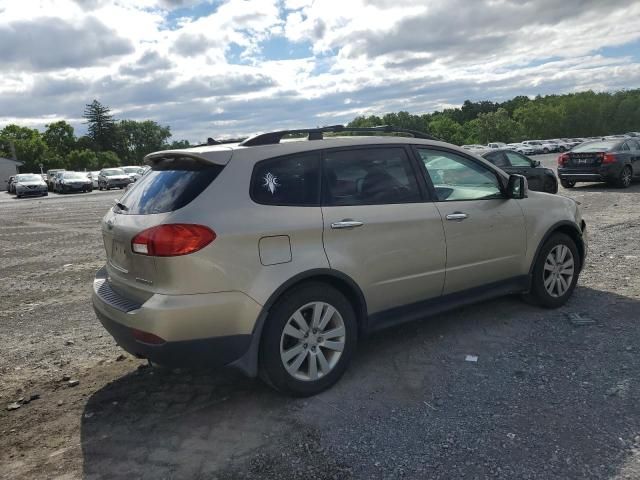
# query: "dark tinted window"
[293,180]
[498,159]
[169,185]
[369,176]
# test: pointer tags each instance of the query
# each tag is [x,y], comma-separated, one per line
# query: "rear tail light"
[563,159]
[608,157]
[172,240]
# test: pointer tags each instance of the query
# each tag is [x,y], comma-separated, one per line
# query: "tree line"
[110,142]
[107,143]
[584,114]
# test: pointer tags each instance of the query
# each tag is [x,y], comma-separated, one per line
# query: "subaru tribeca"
[277,257]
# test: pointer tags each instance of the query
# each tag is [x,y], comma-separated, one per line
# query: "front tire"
[568,183]
[308,340]
[556,271]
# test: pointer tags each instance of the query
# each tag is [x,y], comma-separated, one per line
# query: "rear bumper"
[201,330]
[605,173]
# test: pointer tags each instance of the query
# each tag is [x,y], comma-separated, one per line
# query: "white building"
[8,168]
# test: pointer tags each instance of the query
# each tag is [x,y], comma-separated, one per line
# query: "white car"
[134,172]
[540,146]
[494,145]
[522,148]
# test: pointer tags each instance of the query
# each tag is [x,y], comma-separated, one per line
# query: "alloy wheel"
[559,268]
[312,341]
[626,177]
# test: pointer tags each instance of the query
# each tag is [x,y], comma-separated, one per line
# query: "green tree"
[447,129]
[137,139]
[107,159]
[29,147]
[497,127]
[82,159]
[59,138]
[101,125]
[177,145]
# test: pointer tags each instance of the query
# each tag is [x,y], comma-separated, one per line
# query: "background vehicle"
[287,274]
[10,184]
[134,172]
[113,178]
[541,146]
[72,182]
[614,161]
[540,178]
[94,178]
[494,145]
[29,184]
[51,177]
[521,148]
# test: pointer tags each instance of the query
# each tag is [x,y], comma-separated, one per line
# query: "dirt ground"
[552,395]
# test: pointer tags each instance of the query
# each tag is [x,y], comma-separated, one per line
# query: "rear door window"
[293,180]
[369,176]
[170,185]
[498,159]
[517,160]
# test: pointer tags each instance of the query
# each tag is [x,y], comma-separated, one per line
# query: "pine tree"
[101,125]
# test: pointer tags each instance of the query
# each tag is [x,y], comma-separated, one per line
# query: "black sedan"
[539,178]
[615,161]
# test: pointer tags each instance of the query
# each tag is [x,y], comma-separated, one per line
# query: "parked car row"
[59,180]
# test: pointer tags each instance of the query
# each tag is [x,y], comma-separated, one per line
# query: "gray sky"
[235,67]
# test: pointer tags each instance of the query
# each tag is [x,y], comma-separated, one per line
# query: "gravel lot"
[551,395]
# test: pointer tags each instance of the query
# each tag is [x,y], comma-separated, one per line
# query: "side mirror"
[517,187]
[536,163]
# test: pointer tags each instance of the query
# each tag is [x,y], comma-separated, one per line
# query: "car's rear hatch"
[176,178]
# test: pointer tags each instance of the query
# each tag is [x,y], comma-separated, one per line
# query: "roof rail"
[318,133]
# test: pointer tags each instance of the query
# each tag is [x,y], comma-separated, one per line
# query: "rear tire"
[568,183]
[295,357]
[624,179]
[555,273]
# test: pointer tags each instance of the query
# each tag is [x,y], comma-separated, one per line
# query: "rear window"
[595,146]
[113,171]
[171,184]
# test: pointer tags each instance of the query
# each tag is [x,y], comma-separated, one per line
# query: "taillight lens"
[172,240]
[563,159]
[608,158]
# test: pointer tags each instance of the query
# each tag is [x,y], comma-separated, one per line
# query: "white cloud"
[212,71]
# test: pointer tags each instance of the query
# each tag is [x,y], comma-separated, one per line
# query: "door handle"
[346,224]
[457,216]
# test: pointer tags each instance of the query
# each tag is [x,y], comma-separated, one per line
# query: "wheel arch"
[568,228]
[248,363]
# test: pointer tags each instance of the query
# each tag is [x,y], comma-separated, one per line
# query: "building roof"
[10,160]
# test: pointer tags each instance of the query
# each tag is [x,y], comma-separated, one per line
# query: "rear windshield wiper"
[121,206]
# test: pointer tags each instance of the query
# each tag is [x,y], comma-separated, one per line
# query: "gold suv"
[275,257]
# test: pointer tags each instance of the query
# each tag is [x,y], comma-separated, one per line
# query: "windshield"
[110,172]
[74,176]
[598,146]
[28,177]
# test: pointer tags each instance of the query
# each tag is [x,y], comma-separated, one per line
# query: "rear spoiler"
[218,155]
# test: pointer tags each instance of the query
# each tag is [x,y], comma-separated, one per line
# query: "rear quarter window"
[168,186]
[293,180]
